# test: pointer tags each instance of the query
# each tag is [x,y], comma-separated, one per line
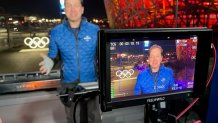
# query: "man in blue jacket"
[156,78]
[75,40]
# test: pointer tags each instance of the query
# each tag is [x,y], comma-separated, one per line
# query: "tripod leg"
[83,112]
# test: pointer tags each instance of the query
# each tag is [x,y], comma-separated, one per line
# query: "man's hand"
[46,65]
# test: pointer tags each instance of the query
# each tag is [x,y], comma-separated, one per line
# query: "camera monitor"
[139,66]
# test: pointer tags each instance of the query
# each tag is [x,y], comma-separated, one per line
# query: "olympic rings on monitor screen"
[36,42]
[124,73]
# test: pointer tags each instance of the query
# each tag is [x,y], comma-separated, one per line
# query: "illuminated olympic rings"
[125,73]
[36,42]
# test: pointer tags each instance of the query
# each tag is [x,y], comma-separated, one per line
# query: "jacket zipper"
[77,52]
[77,55]
[155,80]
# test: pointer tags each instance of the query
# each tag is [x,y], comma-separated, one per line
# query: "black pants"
[92,108]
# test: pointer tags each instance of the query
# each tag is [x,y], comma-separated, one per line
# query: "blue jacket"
[146,84]
[77,53]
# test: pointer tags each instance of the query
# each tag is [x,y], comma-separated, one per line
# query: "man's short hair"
[155,46]
[81,1]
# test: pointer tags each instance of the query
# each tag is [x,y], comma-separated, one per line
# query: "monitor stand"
[158,112]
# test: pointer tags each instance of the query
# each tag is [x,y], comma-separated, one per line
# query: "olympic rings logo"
[125,73]
[36,42]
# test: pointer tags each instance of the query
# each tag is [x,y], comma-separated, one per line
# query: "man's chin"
[74,19]
[155,67]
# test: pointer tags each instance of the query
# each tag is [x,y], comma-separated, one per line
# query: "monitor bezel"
[201,65]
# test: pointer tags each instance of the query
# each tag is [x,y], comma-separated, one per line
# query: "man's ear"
[82,10]
[161,58]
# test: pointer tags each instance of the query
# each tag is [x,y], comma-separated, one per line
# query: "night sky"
[49,8]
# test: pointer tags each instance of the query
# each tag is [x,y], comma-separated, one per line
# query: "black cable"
[74,108]
[82,96]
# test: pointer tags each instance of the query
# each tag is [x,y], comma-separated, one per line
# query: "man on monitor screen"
[155,78]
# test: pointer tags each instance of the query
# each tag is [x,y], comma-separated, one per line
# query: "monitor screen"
[148,65]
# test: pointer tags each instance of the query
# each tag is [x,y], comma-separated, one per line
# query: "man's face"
[73,10]
[155,58]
